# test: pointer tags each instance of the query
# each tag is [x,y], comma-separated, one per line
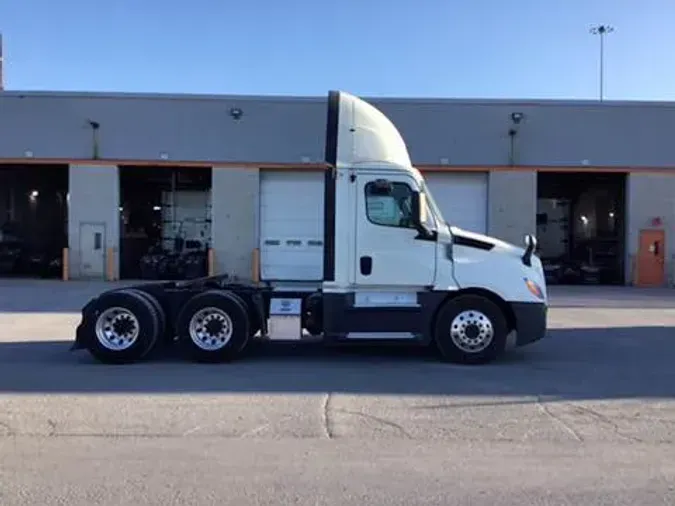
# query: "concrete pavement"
[586,416]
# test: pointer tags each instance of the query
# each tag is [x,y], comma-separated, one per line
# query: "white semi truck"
[394,271]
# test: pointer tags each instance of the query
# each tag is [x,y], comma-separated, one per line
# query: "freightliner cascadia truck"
[394,272]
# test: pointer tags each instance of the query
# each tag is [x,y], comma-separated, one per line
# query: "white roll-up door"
[462,197]
[291,226]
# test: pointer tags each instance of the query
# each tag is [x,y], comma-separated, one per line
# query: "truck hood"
[461,235]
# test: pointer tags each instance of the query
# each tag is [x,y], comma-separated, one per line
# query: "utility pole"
[602,30]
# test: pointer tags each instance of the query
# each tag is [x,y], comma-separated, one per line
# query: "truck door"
[388,253]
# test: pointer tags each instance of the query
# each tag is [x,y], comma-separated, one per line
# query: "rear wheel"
[213,326]
[313,314]
[158,309]
[470,329]
[124,329]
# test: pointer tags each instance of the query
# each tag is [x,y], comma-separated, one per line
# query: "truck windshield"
[435,211]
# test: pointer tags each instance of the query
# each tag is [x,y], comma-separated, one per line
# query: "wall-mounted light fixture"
[236,113]
[517,117]
[95,125]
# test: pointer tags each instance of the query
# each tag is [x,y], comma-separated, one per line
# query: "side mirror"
[419,215]
[530,247]
[530,241]
[419,209]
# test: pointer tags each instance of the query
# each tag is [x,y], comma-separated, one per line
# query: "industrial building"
[109,186]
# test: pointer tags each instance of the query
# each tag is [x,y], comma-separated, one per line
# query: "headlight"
[534,288]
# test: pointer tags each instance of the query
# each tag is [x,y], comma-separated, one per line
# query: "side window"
[389,204]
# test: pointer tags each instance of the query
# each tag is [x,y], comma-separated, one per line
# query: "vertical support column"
[650,196]
[512,205]
[94,200]
[234,219]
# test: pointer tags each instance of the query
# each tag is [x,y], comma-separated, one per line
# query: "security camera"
[517,117]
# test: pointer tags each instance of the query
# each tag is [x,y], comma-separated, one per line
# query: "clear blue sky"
[442,48]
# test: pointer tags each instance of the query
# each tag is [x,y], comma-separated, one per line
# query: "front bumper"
[531,318]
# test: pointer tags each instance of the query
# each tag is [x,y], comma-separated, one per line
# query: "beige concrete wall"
[235,204]
[650,196]
[512,205]
[94,197]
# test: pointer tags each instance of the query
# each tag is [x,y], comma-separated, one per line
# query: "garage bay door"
[291,225]
[462,197]
[291,217]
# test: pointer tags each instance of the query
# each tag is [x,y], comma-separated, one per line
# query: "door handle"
[366,264]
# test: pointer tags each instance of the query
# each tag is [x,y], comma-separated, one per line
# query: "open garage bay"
[586,416]
[33,220]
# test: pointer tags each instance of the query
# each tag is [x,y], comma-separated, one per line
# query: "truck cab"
[394,271]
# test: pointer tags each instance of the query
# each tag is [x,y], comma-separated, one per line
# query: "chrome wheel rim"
[117,329]
[471,331]
[210,328]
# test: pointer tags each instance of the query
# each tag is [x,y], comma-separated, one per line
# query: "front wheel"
[470,329]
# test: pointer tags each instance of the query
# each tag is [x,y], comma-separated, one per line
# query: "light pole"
[2,77]
[602,30]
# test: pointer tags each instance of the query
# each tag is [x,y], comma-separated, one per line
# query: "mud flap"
[80,336]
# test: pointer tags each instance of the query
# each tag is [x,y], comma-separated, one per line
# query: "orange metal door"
[651,256]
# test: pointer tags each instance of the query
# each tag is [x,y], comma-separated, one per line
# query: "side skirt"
[347,321]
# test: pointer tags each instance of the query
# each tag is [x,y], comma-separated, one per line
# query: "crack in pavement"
[604,419]
[383,421]
[557,420]
[326,417]
[255,431]
[52,427]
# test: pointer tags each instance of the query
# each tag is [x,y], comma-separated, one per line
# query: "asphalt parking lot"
[586,416]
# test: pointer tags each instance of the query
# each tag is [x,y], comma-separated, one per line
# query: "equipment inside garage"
[165,222]
[33,220]
[581,227]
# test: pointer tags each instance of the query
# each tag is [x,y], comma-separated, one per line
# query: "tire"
[230,317]
[161,316]
[470,329]
[254,323]
[124,329]
[313,314]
